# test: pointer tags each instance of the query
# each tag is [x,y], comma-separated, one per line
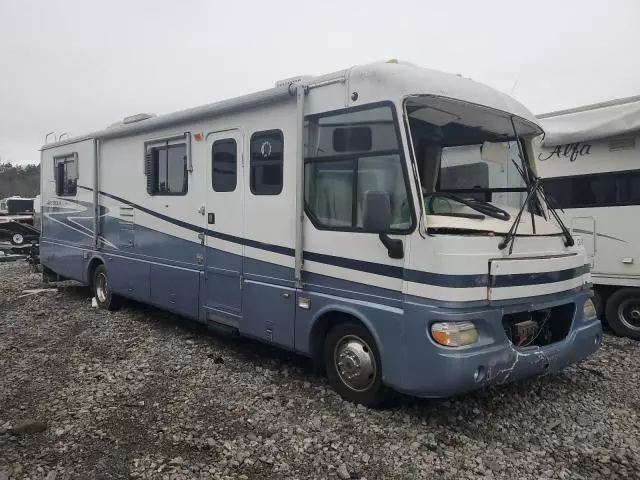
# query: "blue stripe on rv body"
[428,278]
[537,278]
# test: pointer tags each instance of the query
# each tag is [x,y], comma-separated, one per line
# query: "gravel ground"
[144,394]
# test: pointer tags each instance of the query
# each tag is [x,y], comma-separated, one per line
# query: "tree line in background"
[21,180]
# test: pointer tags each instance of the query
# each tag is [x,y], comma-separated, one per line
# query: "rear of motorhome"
[351,217]
[16,205]
[590,159]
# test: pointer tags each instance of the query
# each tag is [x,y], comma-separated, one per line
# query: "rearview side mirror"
[376,218]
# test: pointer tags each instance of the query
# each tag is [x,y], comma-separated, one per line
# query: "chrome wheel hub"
[355,363]
[629,313]
[101,287]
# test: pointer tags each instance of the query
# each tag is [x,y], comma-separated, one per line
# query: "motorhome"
[590,159]
[350,217]
[16,205]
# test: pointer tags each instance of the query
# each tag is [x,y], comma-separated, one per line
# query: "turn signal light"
[454,334]
[589,309]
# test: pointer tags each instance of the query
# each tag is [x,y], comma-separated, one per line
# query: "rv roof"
[381,79]
[591,122]
[593,106]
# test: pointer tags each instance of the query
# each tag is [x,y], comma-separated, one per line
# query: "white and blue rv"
[358,218]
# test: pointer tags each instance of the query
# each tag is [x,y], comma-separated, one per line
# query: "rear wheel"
[623,312]
[353,364]
[101,291]
[598,302]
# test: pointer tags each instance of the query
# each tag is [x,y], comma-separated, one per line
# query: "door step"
[222,324]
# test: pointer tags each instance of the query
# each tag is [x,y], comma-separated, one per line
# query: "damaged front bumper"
[495,360]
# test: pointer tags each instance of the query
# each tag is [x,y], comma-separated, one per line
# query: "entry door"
[224,218]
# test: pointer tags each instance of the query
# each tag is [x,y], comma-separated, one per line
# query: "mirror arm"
[394,246]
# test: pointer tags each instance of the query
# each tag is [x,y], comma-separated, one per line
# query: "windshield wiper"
[535,184]
[511,234]
[485,208]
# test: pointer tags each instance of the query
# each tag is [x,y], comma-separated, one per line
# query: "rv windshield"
[467,152]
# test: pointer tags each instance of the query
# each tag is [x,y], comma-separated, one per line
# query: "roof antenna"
[515,84]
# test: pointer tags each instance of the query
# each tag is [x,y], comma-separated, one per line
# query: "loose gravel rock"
[143,394]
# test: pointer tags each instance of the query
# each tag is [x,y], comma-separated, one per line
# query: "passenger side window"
[66,175]
[224,165]
[266,163]
[349,154]
[594,190]
[166,169]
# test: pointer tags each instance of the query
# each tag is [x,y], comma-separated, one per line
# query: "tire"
[356,347]
[17,239]
[101,291]
[598,302]
[623,312]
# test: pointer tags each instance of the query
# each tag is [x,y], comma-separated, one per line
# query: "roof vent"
[137,118]
[293,80]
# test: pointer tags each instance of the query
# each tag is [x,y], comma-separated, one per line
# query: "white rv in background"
[590,161]
[335,216]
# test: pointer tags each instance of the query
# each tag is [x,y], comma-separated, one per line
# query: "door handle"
[211,218]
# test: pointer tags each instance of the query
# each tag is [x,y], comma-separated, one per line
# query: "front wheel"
[17,239]
[623,312]
[101,291]
[353,365]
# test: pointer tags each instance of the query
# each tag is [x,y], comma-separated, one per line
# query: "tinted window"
[352,139]
[66,175]
[602,190]
[169,170]
[224,166]
[266,163]
[357,131]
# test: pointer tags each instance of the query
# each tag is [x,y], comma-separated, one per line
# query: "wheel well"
[93,264]
[321,328]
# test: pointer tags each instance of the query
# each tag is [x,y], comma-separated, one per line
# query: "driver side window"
[349,154]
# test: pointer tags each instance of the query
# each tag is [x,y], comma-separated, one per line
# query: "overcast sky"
[78,65]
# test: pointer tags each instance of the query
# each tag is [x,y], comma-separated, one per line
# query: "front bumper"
[448,371]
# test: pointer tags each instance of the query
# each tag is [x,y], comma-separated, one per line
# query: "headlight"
[454,334]
[589,309]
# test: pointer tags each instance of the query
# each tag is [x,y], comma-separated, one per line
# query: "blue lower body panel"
[156,268]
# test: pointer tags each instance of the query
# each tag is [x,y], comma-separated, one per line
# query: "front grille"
[540,327]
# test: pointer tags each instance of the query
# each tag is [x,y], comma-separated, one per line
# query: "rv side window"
[595,190]
[266,162]
[224,165]
[65,174]
[349,154]
[166,169]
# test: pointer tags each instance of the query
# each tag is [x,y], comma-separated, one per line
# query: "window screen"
[224,165]
[601,190]
[66,175]
[266,162]
[167,169]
